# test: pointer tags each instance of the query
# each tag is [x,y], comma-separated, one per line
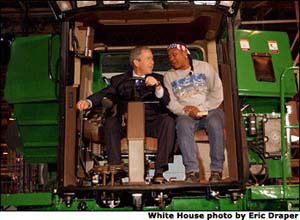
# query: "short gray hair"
[135,53]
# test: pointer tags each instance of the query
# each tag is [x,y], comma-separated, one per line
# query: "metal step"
[295,144]
[294,180]
[295,162]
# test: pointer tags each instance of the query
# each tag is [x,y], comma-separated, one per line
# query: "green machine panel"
[32,88]
[261,57]
[28,78]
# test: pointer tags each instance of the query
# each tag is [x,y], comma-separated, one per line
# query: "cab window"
[116,62]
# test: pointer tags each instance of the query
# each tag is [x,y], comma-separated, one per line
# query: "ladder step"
[295,144]
[294,180]
[295,162]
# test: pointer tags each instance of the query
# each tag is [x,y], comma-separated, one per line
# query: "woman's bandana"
[180,47]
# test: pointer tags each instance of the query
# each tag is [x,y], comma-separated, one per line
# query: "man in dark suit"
[156,98]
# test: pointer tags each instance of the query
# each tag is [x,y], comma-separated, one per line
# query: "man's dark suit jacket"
[121,91]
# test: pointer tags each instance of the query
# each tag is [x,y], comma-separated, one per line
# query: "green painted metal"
[284,150]
[39,155]
[261,205]
[261,105]
[274,192]
[275,170]
[177,204]
[38,131]
[27,78]
[98,83]
[258,40]
[59,204]
[204,204]
[26,199]
[34,95]
[253,198]
[192,204]
[36,113]
[91,205]
[39,136]
[254,158]
[292,126]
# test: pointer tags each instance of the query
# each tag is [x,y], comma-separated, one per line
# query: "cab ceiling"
[152,27]
[152,34]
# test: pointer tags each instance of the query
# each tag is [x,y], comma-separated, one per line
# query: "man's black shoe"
[159,179]
[215,177]
[192,177]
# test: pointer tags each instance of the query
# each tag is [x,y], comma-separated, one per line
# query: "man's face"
[177,58]
[145,63]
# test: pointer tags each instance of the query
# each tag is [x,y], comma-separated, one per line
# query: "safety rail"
[284,152]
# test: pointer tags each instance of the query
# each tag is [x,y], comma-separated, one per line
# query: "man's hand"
[194,112]
[151,81]
[191,111]
[83,105]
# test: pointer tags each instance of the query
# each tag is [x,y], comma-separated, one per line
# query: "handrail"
[284,153]
[50,74]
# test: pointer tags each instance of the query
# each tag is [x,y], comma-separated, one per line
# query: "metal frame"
[127,6]
[236,107]
[64,58]
[284,150]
